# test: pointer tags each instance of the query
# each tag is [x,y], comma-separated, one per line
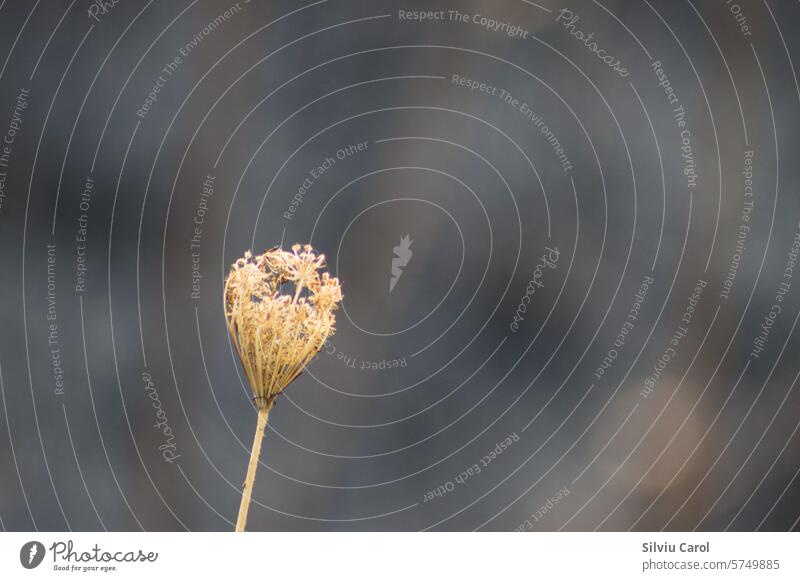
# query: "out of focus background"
[567,237]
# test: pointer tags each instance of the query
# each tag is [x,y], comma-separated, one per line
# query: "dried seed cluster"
[277,333]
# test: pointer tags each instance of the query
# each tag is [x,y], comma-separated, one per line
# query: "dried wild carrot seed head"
[279,311]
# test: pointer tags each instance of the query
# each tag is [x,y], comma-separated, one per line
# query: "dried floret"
[278,333]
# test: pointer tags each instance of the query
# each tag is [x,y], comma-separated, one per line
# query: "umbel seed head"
[280,311]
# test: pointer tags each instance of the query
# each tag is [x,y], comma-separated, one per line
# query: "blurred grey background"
[595,327]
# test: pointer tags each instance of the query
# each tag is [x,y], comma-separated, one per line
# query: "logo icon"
[402,256]
[31,554]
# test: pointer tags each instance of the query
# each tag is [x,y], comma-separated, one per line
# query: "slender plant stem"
[247,487]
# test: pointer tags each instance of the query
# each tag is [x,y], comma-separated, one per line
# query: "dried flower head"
[277,333]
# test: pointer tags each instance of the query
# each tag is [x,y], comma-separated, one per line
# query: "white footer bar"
[389,556]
